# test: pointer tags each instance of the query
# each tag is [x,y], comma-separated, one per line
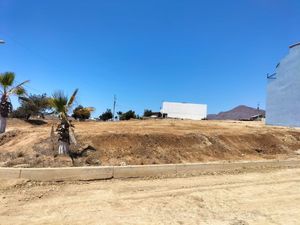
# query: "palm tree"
[8,88]
[62,105]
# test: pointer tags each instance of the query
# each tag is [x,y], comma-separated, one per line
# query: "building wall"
[184,110]
[283,92]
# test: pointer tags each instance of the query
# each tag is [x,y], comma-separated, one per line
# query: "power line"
[35,54]
[29,87]
[26,48]
[19,43]
[34,89]
[40,57]
[32,52]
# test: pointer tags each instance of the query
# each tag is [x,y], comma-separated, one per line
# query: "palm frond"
[59,101]
[7,79]
[72,99]
[25,99]
[18,89]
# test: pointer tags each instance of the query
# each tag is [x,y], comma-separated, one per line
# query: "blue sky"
[145,52]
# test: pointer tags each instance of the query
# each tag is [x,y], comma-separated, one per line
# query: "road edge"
[138,171]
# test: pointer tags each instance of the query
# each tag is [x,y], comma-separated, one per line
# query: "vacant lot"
[270,197]
[150,142]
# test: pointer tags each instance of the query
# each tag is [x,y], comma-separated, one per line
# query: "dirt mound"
[150,142]
[171,148]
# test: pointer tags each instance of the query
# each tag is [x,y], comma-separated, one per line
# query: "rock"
[258,150]
[92,161]
[123,164]
[297,152]
[239,222]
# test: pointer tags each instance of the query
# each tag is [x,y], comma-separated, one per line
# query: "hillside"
[149,142]
[241,112]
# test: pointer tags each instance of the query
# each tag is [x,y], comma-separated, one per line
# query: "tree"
[147,113]
[82,113]
[107,115]
[34,105]
[8,88]
[62,105]
[128,115]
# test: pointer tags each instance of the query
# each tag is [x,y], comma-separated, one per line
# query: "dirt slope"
[151,142]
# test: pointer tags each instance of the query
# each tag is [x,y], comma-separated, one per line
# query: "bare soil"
[269,197]
[149,142]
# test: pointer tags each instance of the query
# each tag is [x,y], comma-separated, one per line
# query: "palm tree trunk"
[63,147]
[3,122]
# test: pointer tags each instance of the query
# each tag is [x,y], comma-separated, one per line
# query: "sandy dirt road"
[271,197]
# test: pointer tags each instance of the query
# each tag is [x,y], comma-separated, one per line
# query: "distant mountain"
[241,112]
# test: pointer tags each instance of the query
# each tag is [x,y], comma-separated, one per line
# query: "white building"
[184,110]
[283,94]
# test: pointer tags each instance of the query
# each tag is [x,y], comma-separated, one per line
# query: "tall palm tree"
[62,105]
[8,88]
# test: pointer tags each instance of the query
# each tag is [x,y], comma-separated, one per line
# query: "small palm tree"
[8,88]
[62,105]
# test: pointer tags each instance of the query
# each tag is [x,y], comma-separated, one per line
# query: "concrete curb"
[67,174]
[10,173]
[144,171]
[196,168]
[119,172]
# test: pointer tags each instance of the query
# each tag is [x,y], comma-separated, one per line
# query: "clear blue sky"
[148,51]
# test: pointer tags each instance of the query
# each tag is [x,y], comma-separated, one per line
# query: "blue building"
[283,92]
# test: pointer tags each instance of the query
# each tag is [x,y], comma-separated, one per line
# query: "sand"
[269,197]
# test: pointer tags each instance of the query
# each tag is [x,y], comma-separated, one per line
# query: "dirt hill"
[241,112]
[150,142]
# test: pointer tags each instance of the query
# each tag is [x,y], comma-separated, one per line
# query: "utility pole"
[258,110]
[114,107]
